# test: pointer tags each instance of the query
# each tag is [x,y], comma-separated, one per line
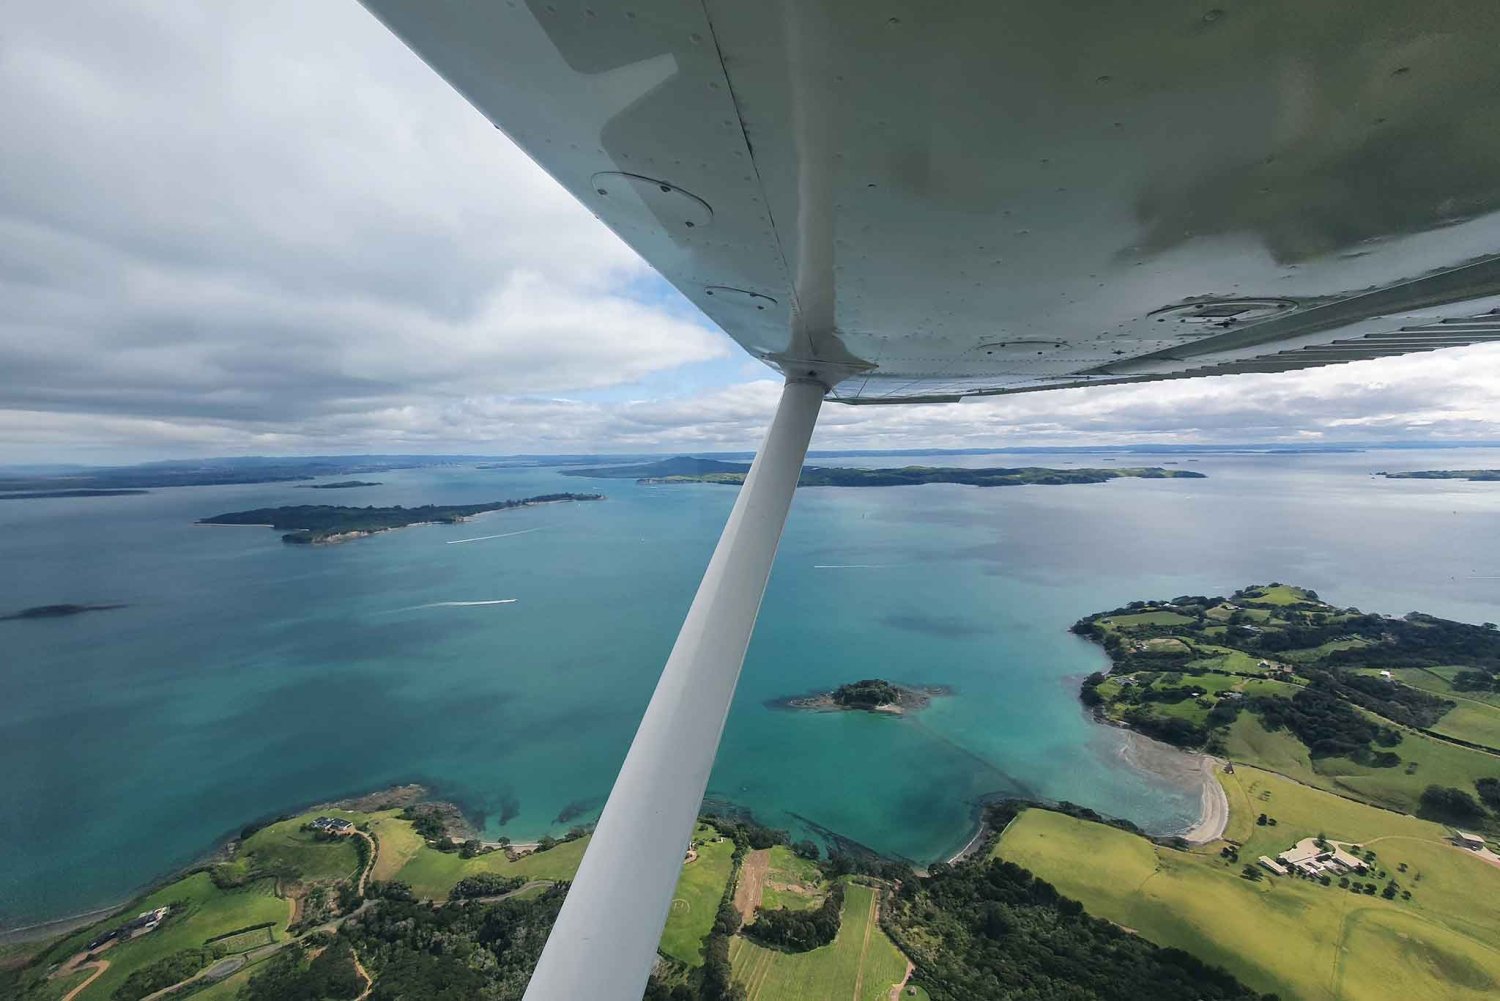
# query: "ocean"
[247,677]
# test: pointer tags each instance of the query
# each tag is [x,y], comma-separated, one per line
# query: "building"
[1309,859]
[1273,865]
[1387,675]
[332,825]
[1464,839]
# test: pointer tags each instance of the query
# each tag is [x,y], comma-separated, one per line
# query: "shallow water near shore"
[248,677]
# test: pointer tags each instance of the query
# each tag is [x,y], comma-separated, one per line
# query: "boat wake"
[460,604]
[482,538]
[852,566]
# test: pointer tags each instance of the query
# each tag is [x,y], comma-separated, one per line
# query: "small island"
[1475,475]
[686,469]
[56,611]
[875,695]
[340,485]
[307,524]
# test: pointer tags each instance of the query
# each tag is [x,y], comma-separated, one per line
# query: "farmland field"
[1294,937]
[861,963]
[696,901]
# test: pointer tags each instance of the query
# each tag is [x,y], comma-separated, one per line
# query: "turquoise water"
[248,677]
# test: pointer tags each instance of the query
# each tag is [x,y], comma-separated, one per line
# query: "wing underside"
[932,201]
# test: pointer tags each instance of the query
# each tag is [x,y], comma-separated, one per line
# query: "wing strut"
[604,943]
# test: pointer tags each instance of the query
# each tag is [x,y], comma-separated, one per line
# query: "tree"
[1489,791]
[470,848]
[1251,873]
[806,849]
[1445,803]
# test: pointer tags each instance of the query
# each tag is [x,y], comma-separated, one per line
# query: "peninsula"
[1446,474]
[324,523]
[686,469]
[874,695]
[1396,712]
[56,611]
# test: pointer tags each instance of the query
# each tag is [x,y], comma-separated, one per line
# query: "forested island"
[1275,674]
[867,695]
[686,469]
[322,523]
[340,485]
[81,492]
[56,611]
[1445,474]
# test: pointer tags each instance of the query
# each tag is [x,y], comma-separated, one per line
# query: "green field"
[696,900]
[246,940]
[432,873]
[1154,618]
[1476,722]
[788,869]
[399,843]
[201,911]
[861,963]
[1277,596]
[1399,788]
[1294,937]
[282,848]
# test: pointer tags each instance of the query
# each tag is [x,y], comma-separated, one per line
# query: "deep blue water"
[247,677]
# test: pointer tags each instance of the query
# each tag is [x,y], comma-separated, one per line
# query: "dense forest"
[866,694]
[306,523]
[993,932]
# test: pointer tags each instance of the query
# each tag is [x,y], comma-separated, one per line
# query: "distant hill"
[686,469]
[1445,474]
[682,465]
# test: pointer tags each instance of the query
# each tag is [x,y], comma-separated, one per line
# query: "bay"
[247,677]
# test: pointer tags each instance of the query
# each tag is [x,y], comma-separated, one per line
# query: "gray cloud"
[267,227]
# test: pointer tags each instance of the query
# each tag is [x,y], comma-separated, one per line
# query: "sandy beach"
[1184,768]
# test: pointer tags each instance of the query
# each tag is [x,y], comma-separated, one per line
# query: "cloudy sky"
[263,226]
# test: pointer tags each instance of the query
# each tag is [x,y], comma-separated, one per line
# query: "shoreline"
[1181,768]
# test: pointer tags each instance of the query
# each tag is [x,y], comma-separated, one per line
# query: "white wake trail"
[459,604]
[502,535]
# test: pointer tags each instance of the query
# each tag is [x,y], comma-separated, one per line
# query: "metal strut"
[603,946]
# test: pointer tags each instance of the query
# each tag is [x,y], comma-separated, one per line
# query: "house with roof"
[1465,839]
[1308,858]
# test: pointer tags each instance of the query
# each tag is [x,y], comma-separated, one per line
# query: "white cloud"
[267,227]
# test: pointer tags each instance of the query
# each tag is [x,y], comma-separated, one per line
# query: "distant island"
[324,523]
[867,695]
[686,469]
[56,611]
[340,485]
[1445,474]
[40,494]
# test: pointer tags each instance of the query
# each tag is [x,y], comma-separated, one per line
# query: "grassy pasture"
[1398,788]
[399,844]
[201,912]
[787,869]
[432,873]
[696,901]
[861,963]
[1475,722]
[1293,937]
[1158,617]
[246,940]
[283,848]
[1279,596]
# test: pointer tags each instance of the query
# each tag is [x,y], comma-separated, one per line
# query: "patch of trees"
[1489,791]
[418,952]
[994,932]
[867,694]
[484,884]
[1329,726]
[426,821]
[292,976]
[1454,806]
[1168,729]
[163,973]
[1475,681]
[799,931]
[1401,703]
[746,831]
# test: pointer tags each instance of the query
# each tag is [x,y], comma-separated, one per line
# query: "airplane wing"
[897,202]
[930,201]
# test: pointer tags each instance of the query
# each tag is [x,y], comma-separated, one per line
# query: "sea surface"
[248,677]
